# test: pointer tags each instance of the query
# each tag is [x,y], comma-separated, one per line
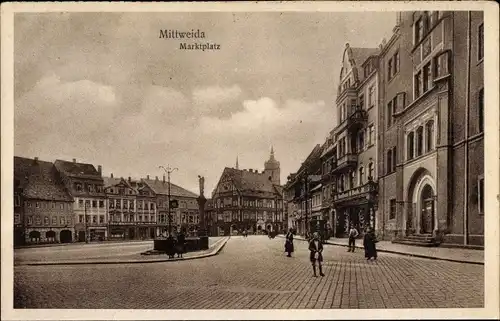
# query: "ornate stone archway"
[420,214]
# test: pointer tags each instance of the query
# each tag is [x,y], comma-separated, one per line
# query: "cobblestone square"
[254,273]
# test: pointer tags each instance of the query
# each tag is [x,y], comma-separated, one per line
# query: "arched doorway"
[66,236]
[427,210]
[50,236]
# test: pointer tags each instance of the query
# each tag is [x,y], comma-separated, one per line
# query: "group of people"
[316,246]
[176,245]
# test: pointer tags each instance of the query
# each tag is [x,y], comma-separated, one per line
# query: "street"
[252,273]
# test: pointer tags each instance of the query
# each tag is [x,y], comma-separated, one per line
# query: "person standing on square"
[316,253]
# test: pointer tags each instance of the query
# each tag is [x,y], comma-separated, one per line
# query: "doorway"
[427,208]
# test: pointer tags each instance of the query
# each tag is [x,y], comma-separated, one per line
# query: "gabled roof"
[74,169]
[160,187]
[110,181]
[361,54]
[250,182]
[39,180]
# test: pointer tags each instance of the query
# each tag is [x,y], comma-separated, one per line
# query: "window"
[392,209]
[99,189]
[78,187]
[54,220]
[419,30]
[118,204]
[429,132]
[62,220]
[80,218]
[389,69]
[38,220]
[361,140]
[46,220]
[94,219]
[131,205]
[396,62]
[101,204]
[371,96]
[362,101]
[53,204]
[28,204]
[37,205]
[420,141]
[389,161]
[361,176]
[480,194]
[371,135]
[87,219]
[17,218]
[410,145]
[94,204]
[111,204]
[390,113]
[90,188]
[417,84]
[394,159]
[87,203]
[61,206]
[371,173]
[480,42]
[80,203]
[427,78]
[17,200]
[341,183]
[30,220]
[480,110]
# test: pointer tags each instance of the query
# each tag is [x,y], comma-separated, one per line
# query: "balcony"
[361,193]
[357,118]
[345,161]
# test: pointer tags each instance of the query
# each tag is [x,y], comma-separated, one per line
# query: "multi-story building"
[147,215]
[432,127]
[85,184]
[186,216]
[248,199]
[43,206]
[298,190]
[351,155]
[122,215]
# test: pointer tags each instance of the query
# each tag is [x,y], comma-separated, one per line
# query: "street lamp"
[169,170]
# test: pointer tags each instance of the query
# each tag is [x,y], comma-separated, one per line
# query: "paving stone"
[254,273]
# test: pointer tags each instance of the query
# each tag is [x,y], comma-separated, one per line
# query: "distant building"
[86,185]
[43,207]
[248,199]
[186,216]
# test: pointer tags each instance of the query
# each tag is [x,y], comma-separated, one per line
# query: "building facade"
[435,108]
[248,200]
[43,207]
[186,216]
[86,185]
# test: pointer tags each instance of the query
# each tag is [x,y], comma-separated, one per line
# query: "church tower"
[272,169]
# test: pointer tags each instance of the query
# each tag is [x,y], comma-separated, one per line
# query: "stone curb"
[217,247]
[403,253]
[34,246]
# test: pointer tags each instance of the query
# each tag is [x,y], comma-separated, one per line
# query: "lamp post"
[169,170]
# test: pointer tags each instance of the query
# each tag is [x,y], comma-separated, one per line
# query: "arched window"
[394,158]
[341,183]
[410,142]
[420,141]
[361,175]
[389,161]
[429,128]
[371,172]
[352,181]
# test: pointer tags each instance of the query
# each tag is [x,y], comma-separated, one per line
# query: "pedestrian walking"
[369,242]
[181,242]
[289,243]
[316,253]
[170,246]
[353,234]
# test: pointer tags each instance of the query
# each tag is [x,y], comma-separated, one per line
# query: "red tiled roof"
[39,180]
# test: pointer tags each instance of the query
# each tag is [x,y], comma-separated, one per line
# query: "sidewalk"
[138,258]
[30,246]
[435,253]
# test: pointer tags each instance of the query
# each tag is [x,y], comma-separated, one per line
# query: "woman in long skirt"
[316,253]
[369,241]
[289,243]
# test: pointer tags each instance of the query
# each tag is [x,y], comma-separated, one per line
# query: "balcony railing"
[360,191]
[345,161]
[358,117]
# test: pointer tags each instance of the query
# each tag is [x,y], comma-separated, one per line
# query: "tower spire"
[272,152]
[237,166]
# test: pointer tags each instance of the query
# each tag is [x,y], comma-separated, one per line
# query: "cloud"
[216,100]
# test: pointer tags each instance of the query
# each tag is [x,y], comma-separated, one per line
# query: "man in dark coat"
[316,253]
[289,243]
[369,242]
[181,241]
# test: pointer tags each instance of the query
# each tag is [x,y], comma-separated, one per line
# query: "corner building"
[431,144]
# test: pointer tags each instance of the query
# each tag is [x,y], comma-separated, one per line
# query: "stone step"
[418,238]
[413,243]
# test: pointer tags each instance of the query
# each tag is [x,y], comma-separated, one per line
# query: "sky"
[105,89]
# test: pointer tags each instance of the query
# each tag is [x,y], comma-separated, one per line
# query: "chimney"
[157,178]
[111,175]
[163,178]
[74,160]
[99,169]
[129,179]
[147,177]
[36,159]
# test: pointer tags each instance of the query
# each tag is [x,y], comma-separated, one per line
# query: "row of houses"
[69,201]
[406,154]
